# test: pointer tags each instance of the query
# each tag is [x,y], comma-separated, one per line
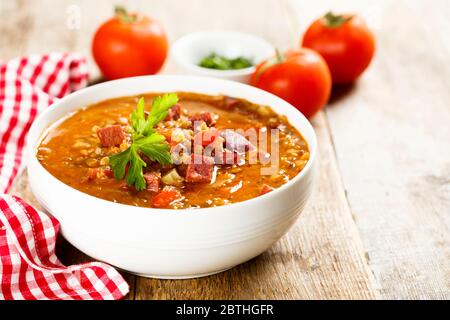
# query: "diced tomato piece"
[167,133]
[206,137]
[111,136]
[152,179]
[203,116]
[165,198]
[200,169]
[266,189]
[91,174]
[108,172]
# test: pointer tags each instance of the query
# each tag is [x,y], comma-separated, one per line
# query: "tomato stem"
[336,20]
[279,56]
[123,15]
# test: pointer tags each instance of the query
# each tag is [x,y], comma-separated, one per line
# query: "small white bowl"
[166,243]
[189,50]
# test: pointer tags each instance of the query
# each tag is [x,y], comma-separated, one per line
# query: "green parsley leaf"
[118,163]
[134,175]
[156,148]
[138,117]
[160,108]
[144,141]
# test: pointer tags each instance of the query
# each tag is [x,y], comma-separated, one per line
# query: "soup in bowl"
[172,176]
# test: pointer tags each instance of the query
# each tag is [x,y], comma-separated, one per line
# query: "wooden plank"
[286,271]
[321,257]
[392,139]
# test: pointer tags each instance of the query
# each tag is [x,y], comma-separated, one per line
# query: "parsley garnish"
[215,61]
[144,140]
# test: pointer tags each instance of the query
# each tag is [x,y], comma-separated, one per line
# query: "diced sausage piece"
[152,179]
[236,142]
[200,169]
[203,116]
[182,169]
[230,103]
[111,136]
[174,113]
[265,189]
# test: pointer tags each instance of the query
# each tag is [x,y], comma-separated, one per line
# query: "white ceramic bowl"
[166,243]
[189,50]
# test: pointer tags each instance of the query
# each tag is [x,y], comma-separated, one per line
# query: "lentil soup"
[88,151]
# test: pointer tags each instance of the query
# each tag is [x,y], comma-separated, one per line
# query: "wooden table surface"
[378,223]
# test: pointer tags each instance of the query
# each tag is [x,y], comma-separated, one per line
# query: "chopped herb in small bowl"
[218,62]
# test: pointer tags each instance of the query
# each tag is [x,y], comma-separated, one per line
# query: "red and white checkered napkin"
[29,268]
[28,85]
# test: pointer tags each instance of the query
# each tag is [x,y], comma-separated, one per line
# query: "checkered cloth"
[29,268]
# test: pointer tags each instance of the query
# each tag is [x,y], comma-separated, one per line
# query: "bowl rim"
[187,38]
[31,148]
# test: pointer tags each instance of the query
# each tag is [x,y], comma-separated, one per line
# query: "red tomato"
[129,45]
[300,77]
[345,42]
[165,198]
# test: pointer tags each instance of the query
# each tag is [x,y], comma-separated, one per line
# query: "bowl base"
[193,276]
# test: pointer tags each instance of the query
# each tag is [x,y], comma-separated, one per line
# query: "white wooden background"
[378,224]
